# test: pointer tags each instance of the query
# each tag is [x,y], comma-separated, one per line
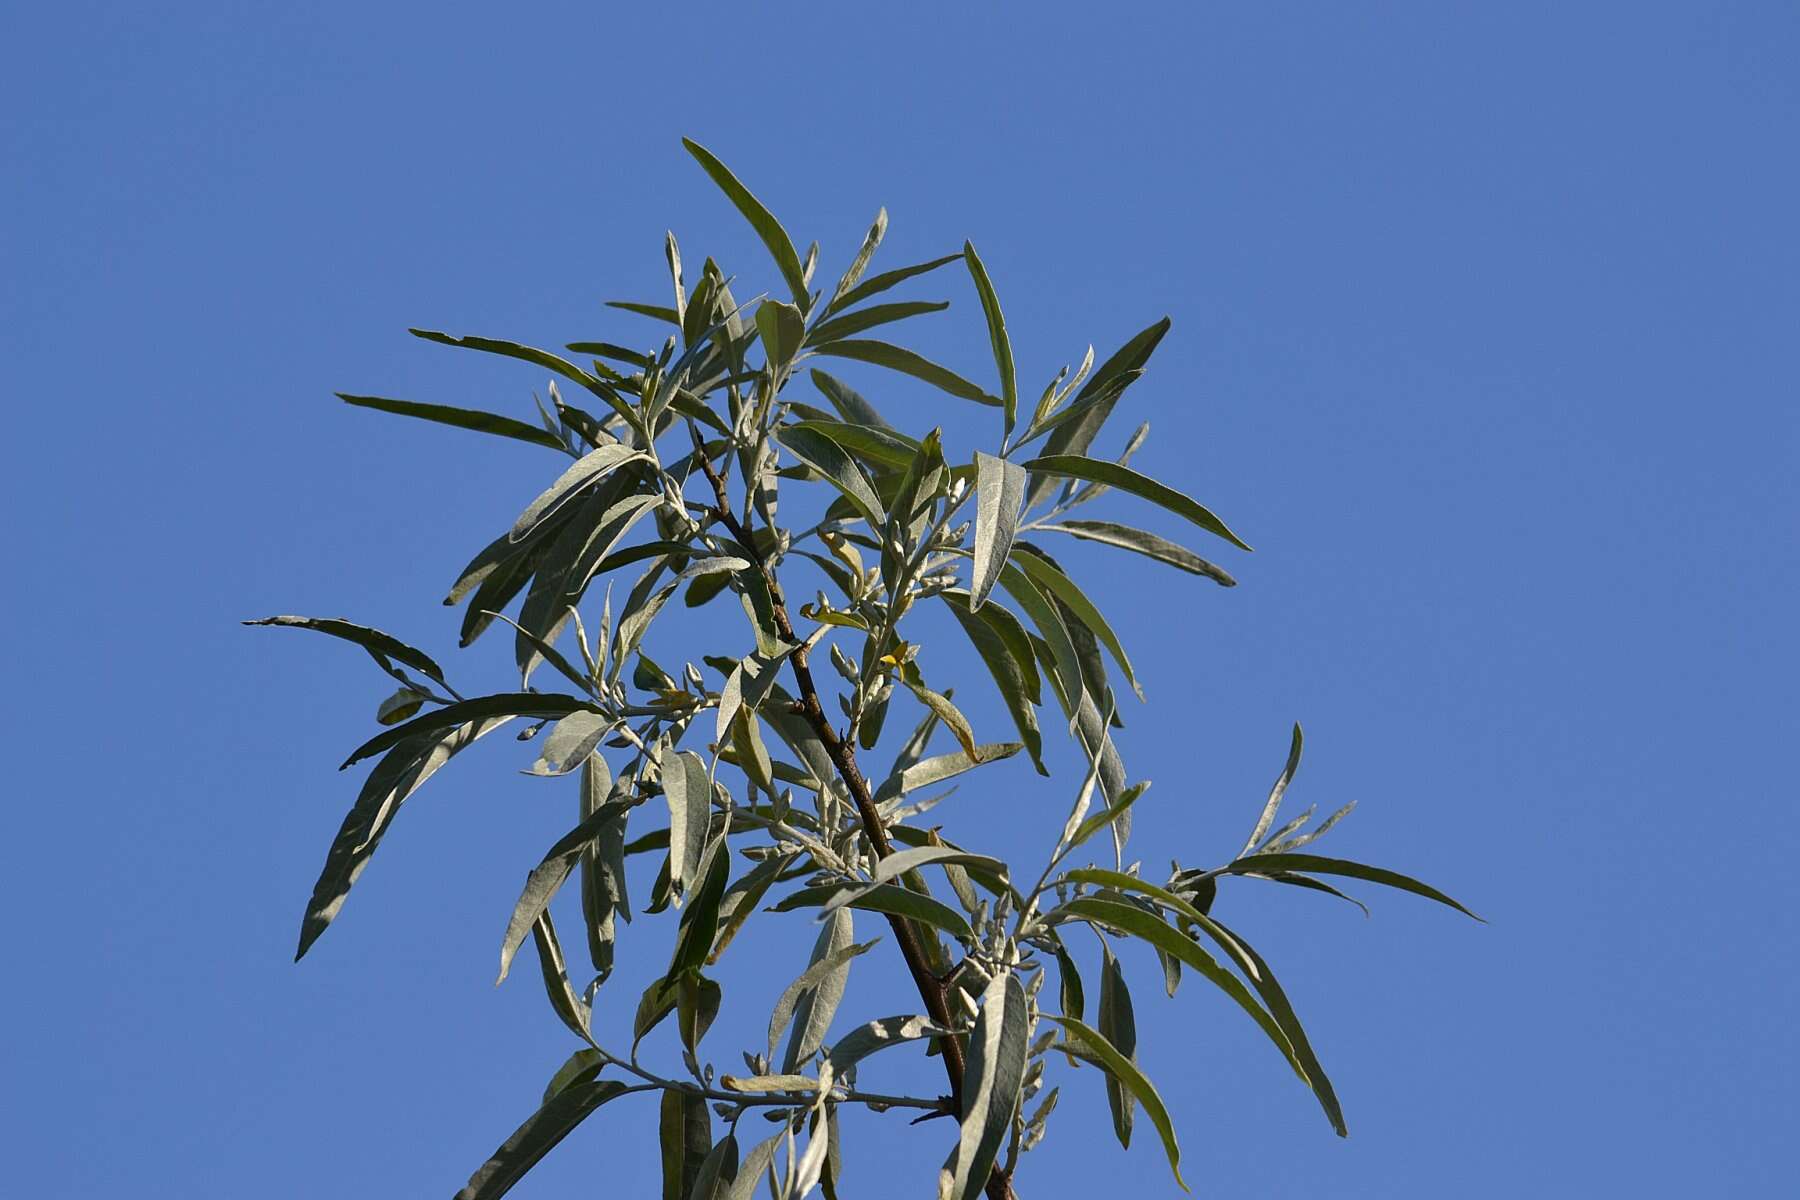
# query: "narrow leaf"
[1143,542]
[1002,345]
[999,490]
[991,1081]
[896,358]
[537,1137]
[1111,474]
[781,248]
[461,418]
[1088,1044]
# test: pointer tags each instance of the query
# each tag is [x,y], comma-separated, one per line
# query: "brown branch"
[932,990]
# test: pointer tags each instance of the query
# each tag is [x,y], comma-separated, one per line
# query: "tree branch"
[932,990]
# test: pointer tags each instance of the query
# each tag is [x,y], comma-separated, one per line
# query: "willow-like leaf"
[460,418]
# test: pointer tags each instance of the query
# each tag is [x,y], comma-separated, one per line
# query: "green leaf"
[849,403]
[1267,818]
[888,898]
[999,489]
[781,249]
[1087,1044]
[581,1067]
[782,328]
[1100,820]
[718,1171]
[1045,572]
[742,898]
[839,469]
[537,1137]
[1118,1025]
[1016,678]
[380,646]
[686,1136]
[547,877]
[1003,355]
[755,1167]
[881,447]
[402,704]
[880,1034]
[570,742]
[814,1000]
[411,761]
[896,358]
[689,793]
[506,704]
[1070,992]
[656,312]
[1143,542]
[1111,474]
[700,915]
[567,1005]
[604,894]
[853,323]
[876,284]
[1257,864]
[1075,436]
[461,418]
[940,767]
[1130,919]
[900,862]
[851,277]
[584,472]
[990,1085]
[530,354]
[951,716]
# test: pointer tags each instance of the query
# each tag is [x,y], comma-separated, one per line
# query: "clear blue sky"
[1485,328]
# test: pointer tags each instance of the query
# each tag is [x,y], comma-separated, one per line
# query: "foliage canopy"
[752,796]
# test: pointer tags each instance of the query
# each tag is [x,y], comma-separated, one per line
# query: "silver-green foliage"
[753,796]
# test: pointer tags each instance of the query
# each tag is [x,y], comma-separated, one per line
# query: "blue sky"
[1484,336]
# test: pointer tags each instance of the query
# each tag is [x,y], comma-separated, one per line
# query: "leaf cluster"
[741,777]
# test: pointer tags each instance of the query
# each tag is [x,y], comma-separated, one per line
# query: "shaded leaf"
[839,469]
[1088,1044]
[379,645]
[537,1137]
[1002,345]
[1317,865]
[1118,1025]
[506,704]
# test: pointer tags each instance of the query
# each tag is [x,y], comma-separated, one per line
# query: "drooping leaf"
[999,490]
[742,898]
[717,1171]
[897,358]
[506,704]
[1002,345]
[547,877]
[1111,474]
[817,1001]
[537,1137]
[700,915]
[1118,1025]
[1130,919]
[1143,542]
[461,418]
[1045,572]
[781,247]
[991,1082]
[407,765]
[686,1136]
[689,793]
[380,646]
[563,1001]
[951,716]
[829,971]
[1088,1044]
[1016,678]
